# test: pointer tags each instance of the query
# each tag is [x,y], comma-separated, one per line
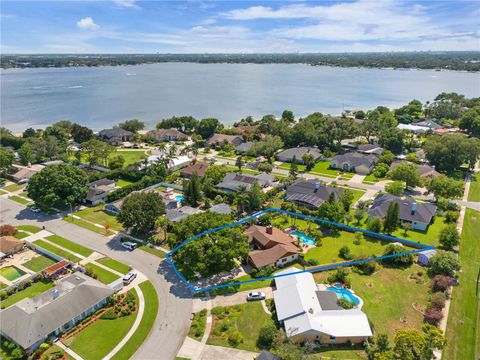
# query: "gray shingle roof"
[298,152]
[356,159]
[233,181]
[176,215]
[31,320]
[221,209]
[243,147]
[311,192]
[410,210]
[114,133]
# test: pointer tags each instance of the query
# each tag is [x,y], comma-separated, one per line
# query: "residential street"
[175,305]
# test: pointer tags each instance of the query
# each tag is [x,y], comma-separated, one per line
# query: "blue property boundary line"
[420,247]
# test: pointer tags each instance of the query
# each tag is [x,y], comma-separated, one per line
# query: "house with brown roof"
[98,191]
[10,245]
[198,168]
[271,247]
[246,129]
[218,139]
[22,174]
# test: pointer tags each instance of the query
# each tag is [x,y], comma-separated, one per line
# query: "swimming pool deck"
[323,287]
[17,261]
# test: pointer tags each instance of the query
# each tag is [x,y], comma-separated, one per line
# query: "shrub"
[449,237]
[443,264]
[399,260]
[267,335]
[433,316]
[217,310]
[452,216]
[235,338]
[441,283]
[367,267]
[266,271]
[345,303]
[340,275]
[8,230]
[344,253]
[358,238]
[374,224]
[437,301]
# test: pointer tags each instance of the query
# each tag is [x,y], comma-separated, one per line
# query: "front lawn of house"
[98,216]
[197,328]
[99,338]
[247,319]
[103,275]
[371,179]
[474,192]
[323,168]
[114,264]
[463,334]
[123,183]
[88,226]
[70,245]
[146,324]
[389,296]
[152,251]
[130,156]
[39,263]
[29,228]
[14,187]
[19,199]
[33,290]
[57,251]
[21,235]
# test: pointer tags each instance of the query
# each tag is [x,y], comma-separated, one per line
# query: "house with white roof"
[310,314]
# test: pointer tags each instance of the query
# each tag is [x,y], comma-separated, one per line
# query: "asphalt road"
[175,303]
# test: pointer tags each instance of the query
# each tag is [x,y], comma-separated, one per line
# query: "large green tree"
[392,218]
[96,152]
[133,125]
[58,185]
[332,210]
[445,263]
[470,121]
[6,159]
[445,187]
[192,190]
[81,133]
[408,173]
[449,237]
[207,127]
[140,211]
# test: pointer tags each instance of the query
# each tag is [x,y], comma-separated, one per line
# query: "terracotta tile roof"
[261,258]
[52,269]
[198,168]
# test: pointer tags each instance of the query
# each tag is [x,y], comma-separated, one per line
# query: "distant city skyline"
[195,26]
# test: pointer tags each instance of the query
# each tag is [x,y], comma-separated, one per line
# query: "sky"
[198,26]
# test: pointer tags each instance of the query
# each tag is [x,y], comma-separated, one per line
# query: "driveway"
[211,352]
[229,300]
[175,304]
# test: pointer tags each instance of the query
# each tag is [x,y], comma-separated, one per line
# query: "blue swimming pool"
[344,293]
[304,238]
[179,198]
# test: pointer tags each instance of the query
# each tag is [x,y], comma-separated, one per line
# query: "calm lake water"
[101,97]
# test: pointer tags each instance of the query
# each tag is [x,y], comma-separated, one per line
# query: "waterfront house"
[311,193]
[309,314]
[298,152]
[161,135]
[419,215]
[354,162]
[271,247]
[32,321]
[219,139]
[115,136]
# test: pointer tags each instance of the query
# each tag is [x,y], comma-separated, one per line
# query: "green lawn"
[357,193]
[197,328]
[463,334]
[99,338]
[131,156]
[70,245]
[152,251]
[39,263]
[323,168]
[103,275]
[474,192]
[19,199]
[29,228]
[98,216]
[389,295]
[30,292]
[371,179]
[430,237]
[114,264]
[57,251]
[123,183]
[87,225]
[347,176]
[248,320]
[286,166]
[14,187]
[245,170]
[149,316]
[2,285]
[21,235]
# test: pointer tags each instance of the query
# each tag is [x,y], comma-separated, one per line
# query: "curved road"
[175,303]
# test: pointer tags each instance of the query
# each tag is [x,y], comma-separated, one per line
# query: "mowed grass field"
[39,263]
[463,326]
[474,192]
[98,216]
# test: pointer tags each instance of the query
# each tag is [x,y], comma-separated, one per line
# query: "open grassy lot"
[247,319]
[123,183]
[19,199]
[39,263]
[99,338]
[474,192]
[57,251]
[29,228]
[149,315]
[131,156]
[30,292]
[98,216]
[87,225]
[114,264]
[389,295]
[70,245]
[14,187]
[331,245]
[463,333]
[103,275]
[197,328]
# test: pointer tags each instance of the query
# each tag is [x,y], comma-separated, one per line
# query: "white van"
[129,245]
[127,279]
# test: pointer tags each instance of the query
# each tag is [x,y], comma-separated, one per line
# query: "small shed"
[425,256]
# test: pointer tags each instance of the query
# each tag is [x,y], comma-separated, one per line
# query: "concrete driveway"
[175,303]
[229,300]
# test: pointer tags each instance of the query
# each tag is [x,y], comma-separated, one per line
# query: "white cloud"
[126,4]
[87,24]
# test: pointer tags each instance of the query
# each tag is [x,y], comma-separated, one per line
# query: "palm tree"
[172,152]
[241,198]
[161,147]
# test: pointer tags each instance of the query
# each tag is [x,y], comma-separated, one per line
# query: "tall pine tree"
[392,218]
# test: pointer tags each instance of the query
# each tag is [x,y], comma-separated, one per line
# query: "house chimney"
[269,229]
[414,207]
